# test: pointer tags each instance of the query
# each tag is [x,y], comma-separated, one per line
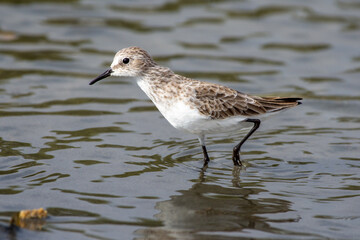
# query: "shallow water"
[106,165]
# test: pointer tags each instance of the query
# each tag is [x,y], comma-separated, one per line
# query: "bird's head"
[128,62]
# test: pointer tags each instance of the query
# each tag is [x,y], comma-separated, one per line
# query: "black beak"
[105,74]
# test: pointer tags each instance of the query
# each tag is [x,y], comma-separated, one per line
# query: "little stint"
[193,106]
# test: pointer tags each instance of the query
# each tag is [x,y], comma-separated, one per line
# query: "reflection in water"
[207,209]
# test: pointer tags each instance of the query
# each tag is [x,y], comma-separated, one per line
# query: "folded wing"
[219,102]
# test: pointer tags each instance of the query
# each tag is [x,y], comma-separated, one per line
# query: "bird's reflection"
[210,207]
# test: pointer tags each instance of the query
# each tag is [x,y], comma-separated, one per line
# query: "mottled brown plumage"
[221,102]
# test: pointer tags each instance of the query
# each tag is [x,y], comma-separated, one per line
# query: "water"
[106,165]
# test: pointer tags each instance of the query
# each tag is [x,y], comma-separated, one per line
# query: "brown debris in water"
[32,219]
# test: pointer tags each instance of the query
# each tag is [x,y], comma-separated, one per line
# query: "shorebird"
[194,106]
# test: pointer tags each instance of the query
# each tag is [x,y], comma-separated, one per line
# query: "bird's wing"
[219,102]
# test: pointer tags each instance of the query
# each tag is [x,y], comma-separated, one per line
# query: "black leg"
[206,156]
[236,150]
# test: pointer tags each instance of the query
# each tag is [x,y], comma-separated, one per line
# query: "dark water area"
[106,165]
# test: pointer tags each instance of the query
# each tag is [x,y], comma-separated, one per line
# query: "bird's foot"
[236,159]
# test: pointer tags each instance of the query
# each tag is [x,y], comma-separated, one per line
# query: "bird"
[196,107]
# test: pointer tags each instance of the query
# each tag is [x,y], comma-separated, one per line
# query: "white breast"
[175,110]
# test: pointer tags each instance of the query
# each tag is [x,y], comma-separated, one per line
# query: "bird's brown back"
[220,102]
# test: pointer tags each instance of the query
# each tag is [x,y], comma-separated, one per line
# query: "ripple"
[8,148]
[97,194]
[244,60]
[173,6]
[303,48]
[87,133]
[63,212]
[198,45]
[227,76]
[354,70]
[93,200]
[78,113]
[313,16]
[264,11]
[236,39]
[53,177]
[40,39]
[36,55]
[203,20]
[348,119]
[17,73]
[321,79]
[137,26]
[89,162]
[9,191]
[79,101]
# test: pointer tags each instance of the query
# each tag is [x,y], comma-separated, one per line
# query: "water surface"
[104,162]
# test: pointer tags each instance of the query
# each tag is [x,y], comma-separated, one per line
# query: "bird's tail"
[274,104]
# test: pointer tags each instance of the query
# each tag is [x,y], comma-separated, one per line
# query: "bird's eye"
[126,60]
